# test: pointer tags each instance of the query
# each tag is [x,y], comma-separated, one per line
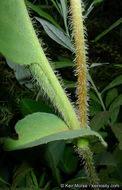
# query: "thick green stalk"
[48,81]
[79,39]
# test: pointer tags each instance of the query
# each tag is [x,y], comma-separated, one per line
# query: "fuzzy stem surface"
[87,157]
[48,81]
[79,40]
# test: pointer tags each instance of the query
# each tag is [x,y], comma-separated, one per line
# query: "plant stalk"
[77,22]
[79,39]
[48,81]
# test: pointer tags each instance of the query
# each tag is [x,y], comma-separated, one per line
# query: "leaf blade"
[41,128]
[117,81]
[20,31]
[56,34]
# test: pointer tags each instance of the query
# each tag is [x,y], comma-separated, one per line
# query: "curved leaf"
[99,120]
[111,95]
[56,34]
[117,81]
[41,128]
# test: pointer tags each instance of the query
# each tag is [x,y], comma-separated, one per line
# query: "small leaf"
[114,115]
[117,81]
[97,1]
[63,64]
[93,96]
[94,108]
[35,182]
[41,128]
[56,6]
[56,34]
[20,173]
[117,102]
[111,95]
[64,12]
[69,84]
[99,120]
[3,181]
[117,130]
[42,179]
[115,108]
[21,73]
[119,21]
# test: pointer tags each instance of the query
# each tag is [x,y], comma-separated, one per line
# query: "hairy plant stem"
[48,81]
[89,167]
[80,59]
[79,39]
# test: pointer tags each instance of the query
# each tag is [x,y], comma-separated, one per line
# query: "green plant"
[39,66]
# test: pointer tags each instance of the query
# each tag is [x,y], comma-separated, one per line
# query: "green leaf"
[64,12]
[114,115]
[93,96]
[117,102]
[88,11]
[41,128]
[63,64]
[69,165]
[42,178]
[18,41]
[53,155]
[3,181]
[94,108]
[120,145]
[111,95]
[99,120]
[118,65]
[20,173]
[57,35]
[34,178]
[119,21]
[115,108]
[97,1]
[69,84]
[29,106]
[42,14]
[63,7]
[56,6]
[117,130]
[105,158]
[21,73]
[98,148]
[117,81]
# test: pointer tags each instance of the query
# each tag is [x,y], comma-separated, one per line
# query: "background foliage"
[20,96]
